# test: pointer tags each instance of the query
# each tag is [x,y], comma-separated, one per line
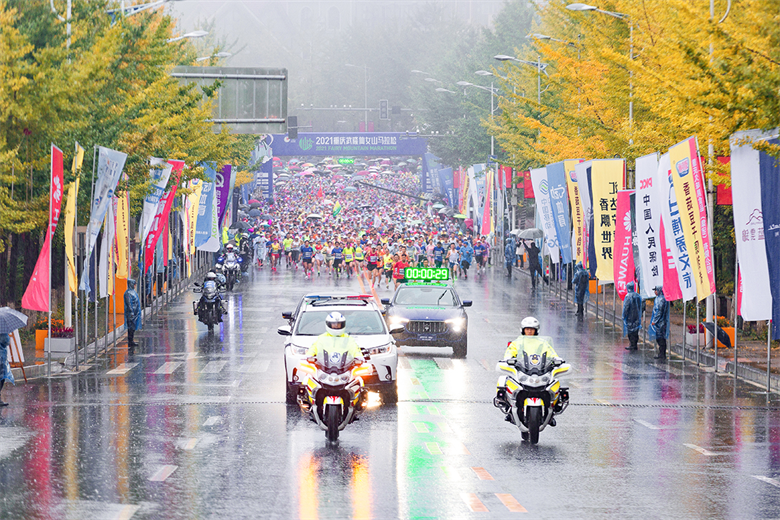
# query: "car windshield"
[359,322]
[433,296]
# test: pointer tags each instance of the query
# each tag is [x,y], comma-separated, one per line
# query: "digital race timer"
[436,274]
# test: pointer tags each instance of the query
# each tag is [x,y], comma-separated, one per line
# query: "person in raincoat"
[510,256]
[5,368]
[132,312]
[632,316]
[581,280]
[533,262]
[659,322]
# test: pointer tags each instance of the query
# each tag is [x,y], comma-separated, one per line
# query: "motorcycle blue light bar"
[425,274]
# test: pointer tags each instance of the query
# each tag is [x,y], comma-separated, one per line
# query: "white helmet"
[529,322]
[211,275]
[335,323]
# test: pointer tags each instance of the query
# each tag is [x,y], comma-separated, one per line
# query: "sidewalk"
[752,354]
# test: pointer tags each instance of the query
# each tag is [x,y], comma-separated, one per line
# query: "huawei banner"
[624,250]
[691,199]
[606,180]
[749,227]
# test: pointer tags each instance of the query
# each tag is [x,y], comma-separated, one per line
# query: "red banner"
[528,187]
[159,225]
[36,296]
[623,266]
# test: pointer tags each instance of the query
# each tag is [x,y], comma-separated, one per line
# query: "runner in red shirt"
[398,269]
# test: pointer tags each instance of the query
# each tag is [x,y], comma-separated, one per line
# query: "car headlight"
[298,350]
[382,349]
[397,320]
[457,324]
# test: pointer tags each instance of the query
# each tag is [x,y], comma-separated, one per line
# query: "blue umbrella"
[10,320]
[350,188]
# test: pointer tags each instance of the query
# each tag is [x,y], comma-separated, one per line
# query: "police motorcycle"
[208,309]
[231,266]
[528,392]
[334,393]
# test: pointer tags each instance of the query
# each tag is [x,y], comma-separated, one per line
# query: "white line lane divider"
[163,473]
[768,480]
[705,452]
[647,424]
[122,369]
[213,367]
[168,367]
[211,421]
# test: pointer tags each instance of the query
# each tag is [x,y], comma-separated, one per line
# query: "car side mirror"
[385,301]
[467,303]
[396,329]
[287,315]
[284,330]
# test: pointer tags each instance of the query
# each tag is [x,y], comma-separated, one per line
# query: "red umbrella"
[255,201]
[363,172]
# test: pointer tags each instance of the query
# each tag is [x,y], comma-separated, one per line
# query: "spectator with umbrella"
[10,320]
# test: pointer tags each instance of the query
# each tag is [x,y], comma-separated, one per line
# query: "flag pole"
[94,257]
[48,232]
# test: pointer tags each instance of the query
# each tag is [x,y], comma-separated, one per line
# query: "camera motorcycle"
[208,309]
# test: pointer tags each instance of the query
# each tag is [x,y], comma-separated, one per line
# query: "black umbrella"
[722,336]
[239,225]
[256,205]
[266,217]
[255,213]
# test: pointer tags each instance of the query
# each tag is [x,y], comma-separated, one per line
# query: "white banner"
[159,173]
[581,172]
[756,299]
[673,232]
[648,223]
[106,246]
[544,210]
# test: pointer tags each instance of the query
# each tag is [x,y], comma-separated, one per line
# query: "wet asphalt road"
[193,426]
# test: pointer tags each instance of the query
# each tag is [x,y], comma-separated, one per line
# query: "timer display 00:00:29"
[438,274]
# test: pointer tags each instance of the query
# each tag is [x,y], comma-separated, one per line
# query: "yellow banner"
[122,234]
[464,194]
[70,223]
[78,158]
[692,205]
[194,200]
[577,217]
[606,179]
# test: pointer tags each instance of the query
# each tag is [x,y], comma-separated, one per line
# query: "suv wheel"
[390,393]
[291,396]
[459,349]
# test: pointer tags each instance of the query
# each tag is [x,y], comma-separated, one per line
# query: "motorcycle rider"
[528,342]
[335,339]
[211,278]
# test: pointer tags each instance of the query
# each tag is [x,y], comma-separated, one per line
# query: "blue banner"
[592,259]
[379,144]
[265,180]
[769,169]
[559,200]
[207,224]
[447,185]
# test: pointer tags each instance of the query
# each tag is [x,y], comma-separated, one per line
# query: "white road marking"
[188,444]
[213,367]
[701,450]
[255,367]
[168,367]
[211,421]
[443,363]
[192,355]
[647,424]
[768,480]
[127,512]
[122,369]
[163,473]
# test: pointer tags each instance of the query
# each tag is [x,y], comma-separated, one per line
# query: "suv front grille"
[426,327]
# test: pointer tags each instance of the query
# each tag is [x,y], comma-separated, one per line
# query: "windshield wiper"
[440,297]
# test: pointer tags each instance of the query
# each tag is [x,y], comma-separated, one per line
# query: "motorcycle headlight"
[298,350]
[397,320]
[456,324]
[382,349]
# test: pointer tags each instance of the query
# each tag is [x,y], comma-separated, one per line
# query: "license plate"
[426,338]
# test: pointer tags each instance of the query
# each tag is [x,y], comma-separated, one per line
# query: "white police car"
[365,323]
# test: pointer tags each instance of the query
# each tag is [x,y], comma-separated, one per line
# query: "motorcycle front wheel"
[332,419]
[534,421]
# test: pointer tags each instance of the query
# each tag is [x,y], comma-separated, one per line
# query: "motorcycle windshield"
[334,362]
[210,289]
[535,355]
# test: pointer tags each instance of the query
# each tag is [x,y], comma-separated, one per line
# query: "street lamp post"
[193,34]
[540,67]
[625,18]
[217,55]
[492,104]
[365,91]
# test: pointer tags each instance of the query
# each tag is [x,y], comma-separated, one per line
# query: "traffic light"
[292,127]
[383,109]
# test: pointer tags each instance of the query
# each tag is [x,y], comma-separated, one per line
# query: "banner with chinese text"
[606,180]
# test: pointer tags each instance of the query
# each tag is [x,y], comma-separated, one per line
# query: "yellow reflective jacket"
[532,345]
[335,344]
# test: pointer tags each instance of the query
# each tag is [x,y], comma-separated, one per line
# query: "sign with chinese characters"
[648,222]
[559,201]
[624,250]
[606,180]
[577,215]
[544,211]
[769,170]
[350,144]
[678,276]
[691,197]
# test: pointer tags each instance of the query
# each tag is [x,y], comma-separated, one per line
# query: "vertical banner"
[648,221]
[583,173]
[37,296]
[487,218]
[623,268]
[577,215]
[464,192]
[70,224]
[544,211]
[196,186]
[691,195]
[678,277]
[110,165]
[769,169]
[605,181]
[223,189]
[447,185]
[756,300]
[159,226]
[559,199]
[159,173]
[528,185]
[122,235]
[207,227]
[105,258]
